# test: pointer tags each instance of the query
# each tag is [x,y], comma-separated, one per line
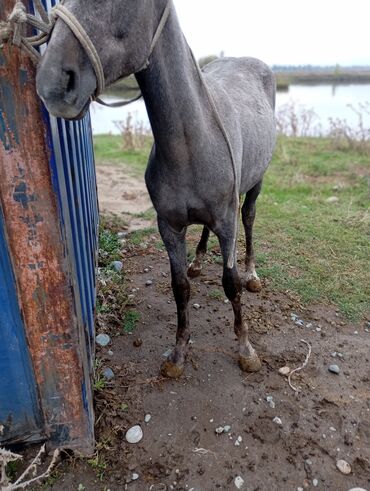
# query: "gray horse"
[214,134]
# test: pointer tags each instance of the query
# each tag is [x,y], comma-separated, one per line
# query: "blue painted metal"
[20,413]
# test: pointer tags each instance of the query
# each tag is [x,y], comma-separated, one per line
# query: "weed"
[216,294]
[99,380]
[98,465]
[109,247]
[132,317]
[139,236]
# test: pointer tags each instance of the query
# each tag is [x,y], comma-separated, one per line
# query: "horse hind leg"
[251,282]
[195,267]
[248,358]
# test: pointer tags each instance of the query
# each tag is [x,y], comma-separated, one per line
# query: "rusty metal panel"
[45,209]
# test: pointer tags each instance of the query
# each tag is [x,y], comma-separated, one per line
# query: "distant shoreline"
[284,79]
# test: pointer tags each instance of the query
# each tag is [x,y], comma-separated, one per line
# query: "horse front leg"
[175,245]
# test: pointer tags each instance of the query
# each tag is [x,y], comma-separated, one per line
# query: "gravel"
[334,369]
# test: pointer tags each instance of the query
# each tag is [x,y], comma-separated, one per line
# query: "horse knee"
[231,283]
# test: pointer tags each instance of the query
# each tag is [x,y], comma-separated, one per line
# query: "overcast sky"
[318,32]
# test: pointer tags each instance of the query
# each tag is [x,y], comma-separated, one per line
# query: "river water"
[327,101]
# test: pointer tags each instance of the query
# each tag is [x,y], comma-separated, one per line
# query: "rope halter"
[14,31]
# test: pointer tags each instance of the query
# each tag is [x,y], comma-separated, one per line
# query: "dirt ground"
[327,420]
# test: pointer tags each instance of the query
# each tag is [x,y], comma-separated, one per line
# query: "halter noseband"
[61,12]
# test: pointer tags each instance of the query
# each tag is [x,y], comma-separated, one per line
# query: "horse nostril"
[70,84]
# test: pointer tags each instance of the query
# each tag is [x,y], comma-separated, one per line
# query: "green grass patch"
[132,317]
[109,247]
[216,294]
[305,244]
[109,150]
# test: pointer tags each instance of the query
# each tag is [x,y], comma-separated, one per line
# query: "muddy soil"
[327,420]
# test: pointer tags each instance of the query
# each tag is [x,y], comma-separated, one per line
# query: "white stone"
[147,418]
[315,482]
[277,421]
[284,371]
[271,401]
[239,482]
[134,434]
[344,467]
[219,430]
[135,476]
[332,199]
[357,489]
[196,306]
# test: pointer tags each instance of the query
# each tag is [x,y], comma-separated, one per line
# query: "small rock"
[332,200]
[284,371]
[167,353]
[334,354]
[334,369]
[108,374]
[117,266]
[148,282]
[277,421]
[110,353]
[146,270]
[103,340]
[344,467]
[300,489]
[219,430]
[271,402]
[227,429]
[134,476]
[134,434]
[81,487]
[239,482]
[357,489]
[315,482]
[147,418]
[122,235]
[196,306]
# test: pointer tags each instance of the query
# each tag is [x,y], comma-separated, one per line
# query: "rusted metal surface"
[38,248]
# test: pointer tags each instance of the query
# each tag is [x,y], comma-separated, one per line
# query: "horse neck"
[172,92]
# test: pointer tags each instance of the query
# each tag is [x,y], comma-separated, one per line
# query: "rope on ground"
[301,367]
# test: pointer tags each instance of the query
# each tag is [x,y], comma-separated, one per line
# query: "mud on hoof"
[194,270]
[171,370]
[253,285]
[250,364]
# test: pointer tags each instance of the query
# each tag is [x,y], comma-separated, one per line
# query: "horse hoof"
[194,270]
[250,364]
[253,285]
[170,370]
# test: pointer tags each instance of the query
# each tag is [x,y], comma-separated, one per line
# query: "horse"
[214,134]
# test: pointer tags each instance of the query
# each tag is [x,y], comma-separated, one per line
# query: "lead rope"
[13,30]
[231,258]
